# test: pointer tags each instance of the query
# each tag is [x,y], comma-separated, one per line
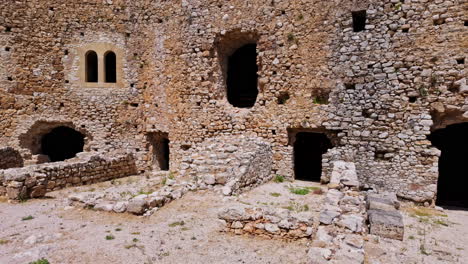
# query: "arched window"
[91,70]
[110,67]
[242,77]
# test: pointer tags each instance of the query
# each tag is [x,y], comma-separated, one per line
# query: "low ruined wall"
[35,180]
[238,162]
[10,158]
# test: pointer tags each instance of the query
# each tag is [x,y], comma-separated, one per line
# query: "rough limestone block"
[387,224]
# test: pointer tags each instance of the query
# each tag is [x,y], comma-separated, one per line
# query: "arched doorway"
[452,141]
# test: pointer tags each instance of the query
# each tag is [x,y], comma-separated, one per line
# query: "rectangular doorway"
[308,150]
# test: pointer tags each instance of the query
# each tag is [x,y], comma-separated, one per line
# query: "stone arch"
[32,139]
[91,66]
[237,57]
[110,64]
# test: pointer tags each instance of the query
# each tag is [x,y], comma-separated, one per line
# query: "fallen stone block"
[387,224]
[137,206]
[326,217]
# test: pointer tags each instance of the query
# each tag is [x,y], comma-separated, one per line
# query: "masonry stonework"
[379,92]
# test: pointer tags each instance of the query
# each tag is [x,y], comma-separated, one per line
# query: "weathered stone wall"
[36,180]
[10,158]
[388,85]
[237,162]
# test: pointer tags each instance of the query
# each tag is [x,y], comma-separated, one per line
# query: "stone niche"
[50,141]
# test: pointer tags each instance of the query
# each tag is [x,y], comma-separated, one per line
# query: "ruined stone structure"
[357,81]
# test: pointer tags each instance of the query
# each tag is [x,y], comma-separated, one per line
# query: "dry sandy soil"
[188,231]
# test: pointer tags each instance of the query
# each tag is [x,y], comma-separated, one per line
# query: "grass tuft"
[29,217]
[178,223]
[275,194]
[110,237]
[278,178]
[299,191]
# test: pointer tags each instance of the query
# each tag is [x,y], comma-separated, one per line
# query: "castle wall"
[377,93]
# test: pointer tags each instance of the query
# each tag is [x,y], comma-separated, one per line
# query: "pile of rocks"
[237,162]
[384,218]
[35,180]
[138,204]
[344,205]
[269,222]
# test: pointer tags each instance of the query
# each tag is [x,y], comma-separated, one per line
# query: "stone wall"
[239,163]
[380,90]
[35,180]
[10,158]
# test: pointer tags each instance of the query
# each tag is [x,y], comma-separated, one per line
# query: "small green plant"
[165,254]
[3,242]
[178,223]
[135,233]
[299,191]
[29,217]
[164,181]
[440,222]
[40,261]
[118,229]
[411,237]
[296,207]
[275,194]
[135,240]
[291,37]
[320,100]
[398,6]
[300,17]
[278,178]
[110,237]
[171,175]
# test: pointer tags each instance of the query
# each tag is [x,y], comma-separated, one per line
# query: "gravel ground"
[188,231]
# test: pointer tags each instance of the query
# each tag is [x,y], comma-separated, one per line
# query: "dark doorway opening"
[308,150]
[452,141]
[62,143]
[359,20]
[242,77]
[160,150]
[91,69]
[110,67]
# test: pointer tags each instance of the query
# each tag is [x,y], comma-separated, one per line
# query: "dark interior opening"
[160,149]
[62,143]
[452,141]
[110,67]
[359,20]
[242,76]
[308,150]
[91,67]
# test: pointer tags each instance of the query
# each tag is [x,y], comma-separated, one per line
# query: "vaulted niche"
[159,143]
[62,143]
[242,76]
[91,69]
[237,55]
[452,141]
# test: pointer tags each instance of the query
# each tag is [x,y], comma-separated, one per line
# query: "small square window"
[359,20]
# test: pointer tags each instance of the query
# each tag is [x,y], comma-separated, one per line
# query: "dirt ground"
[188,231]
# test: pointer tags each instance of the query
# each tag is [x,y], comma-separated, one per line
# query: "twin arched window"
[92,67]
